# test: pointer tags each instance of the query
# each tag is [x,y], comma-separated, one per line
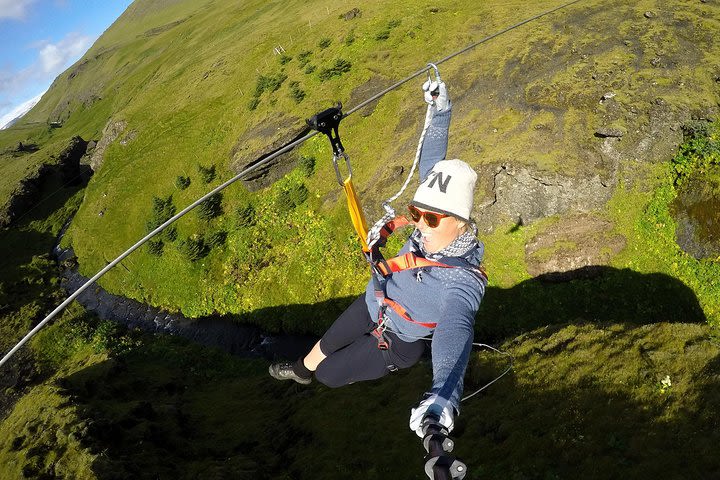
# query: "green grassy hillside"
[200,86]
[584,126]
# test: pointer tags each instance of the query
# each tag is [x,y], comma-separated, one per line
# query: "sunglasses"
[432,219]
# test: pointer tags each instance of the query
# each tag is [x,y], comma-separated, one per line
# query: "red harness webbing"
[408,261]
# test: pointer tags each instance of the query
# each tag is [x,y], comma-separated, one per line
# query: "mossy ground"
[586,397]
[616,386]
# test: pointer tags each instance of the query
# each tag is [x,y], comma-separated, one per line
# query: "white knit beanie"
[448,189]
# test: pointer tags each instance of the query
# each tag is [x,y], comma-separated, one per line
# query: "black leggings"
[352,352]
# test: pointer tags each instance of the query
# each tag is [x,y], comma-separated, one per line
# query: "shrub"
[310,69]
[349,38]
[253,103]
[307,165]
[296,93]
[194,248]
[284,59]
[170,233]
[182,182]
[162,210]
[217,239]
[206,173]
[247,217]
[268,83]
[291,197]
[338,69]
[384,34]
[211,208]
[696,129]
[155,247]
[324,43]
[304,57]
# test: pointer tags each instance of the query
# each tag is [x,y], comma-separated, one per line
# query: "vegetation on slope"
[616,374]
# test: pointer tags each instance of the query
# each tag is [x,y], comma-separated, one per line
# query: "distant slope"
[12,117]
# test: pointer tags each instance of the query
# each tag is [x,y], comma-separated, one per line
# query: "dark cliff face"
[66,168]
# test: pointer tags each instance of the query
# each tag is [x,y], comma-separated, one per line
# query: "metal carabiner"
[337,167]
[437,72]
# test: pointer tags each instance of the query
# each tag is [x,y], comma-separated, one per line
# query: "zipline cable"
[453,55]
[147,237]
[262,162]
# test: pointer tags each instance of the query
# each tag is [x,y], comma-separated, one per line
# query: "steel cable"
[254,167]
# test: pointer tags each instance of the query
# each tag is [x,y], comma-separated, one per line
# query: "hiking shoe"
[284,371]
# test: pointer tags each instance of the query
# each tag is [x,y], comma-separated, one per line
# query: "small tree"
[304,57]
[340,67]
[292,196]
[217,239]
[155,247]
[211,208]
[247,217]
[182,182]
[194,248]
[296,93]
[307,165]
[206,173]
[162,210]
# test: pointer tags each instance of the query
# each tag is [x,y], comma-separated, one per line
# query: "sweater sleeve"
[452,341]
[435,144]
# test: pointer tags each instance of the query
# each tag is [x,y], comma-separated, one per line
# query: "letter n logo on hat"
[442,185]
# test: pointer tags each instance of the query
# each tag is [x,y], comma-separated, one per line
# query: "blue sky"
[39,39]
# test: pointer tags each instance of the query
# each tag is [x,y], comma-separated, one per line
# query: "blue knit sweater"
[449,297]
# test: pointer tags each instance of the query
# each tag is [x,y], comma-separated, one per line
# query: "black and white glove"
[435,93]
[430,407]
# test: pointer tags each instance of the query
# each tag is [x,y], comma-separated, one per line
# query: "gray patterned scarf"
[457,248]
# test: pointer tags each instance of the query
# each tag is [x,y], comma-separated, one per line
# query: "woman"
[433,300]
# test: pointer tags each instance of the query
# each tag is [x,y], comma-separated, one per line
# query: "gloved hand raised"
[435,93]
[429,406]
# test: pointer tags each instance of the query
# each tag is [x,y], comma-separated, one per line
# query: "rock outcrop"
[110,133]
[28,191]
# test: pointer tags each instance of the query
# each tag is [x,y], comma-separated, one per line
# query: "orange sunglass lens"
[432,219]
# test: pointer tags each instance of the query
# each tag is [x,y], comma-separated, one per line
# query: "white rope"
[509,367]
[374,232]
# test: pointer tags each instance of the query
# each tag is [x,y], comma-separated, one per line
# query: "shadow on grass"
[589,401]
[23,240]
[598,294]
[175,410]
[585,399]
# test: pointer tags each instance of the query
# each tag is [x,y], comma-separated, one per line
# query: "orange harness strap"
[406,262]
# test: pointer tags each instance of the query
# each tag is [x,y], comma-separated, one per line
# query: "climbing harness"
[382,268]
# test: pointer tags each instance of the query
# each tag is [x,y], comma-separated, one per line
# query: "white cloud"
[54,58]
[14,9]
